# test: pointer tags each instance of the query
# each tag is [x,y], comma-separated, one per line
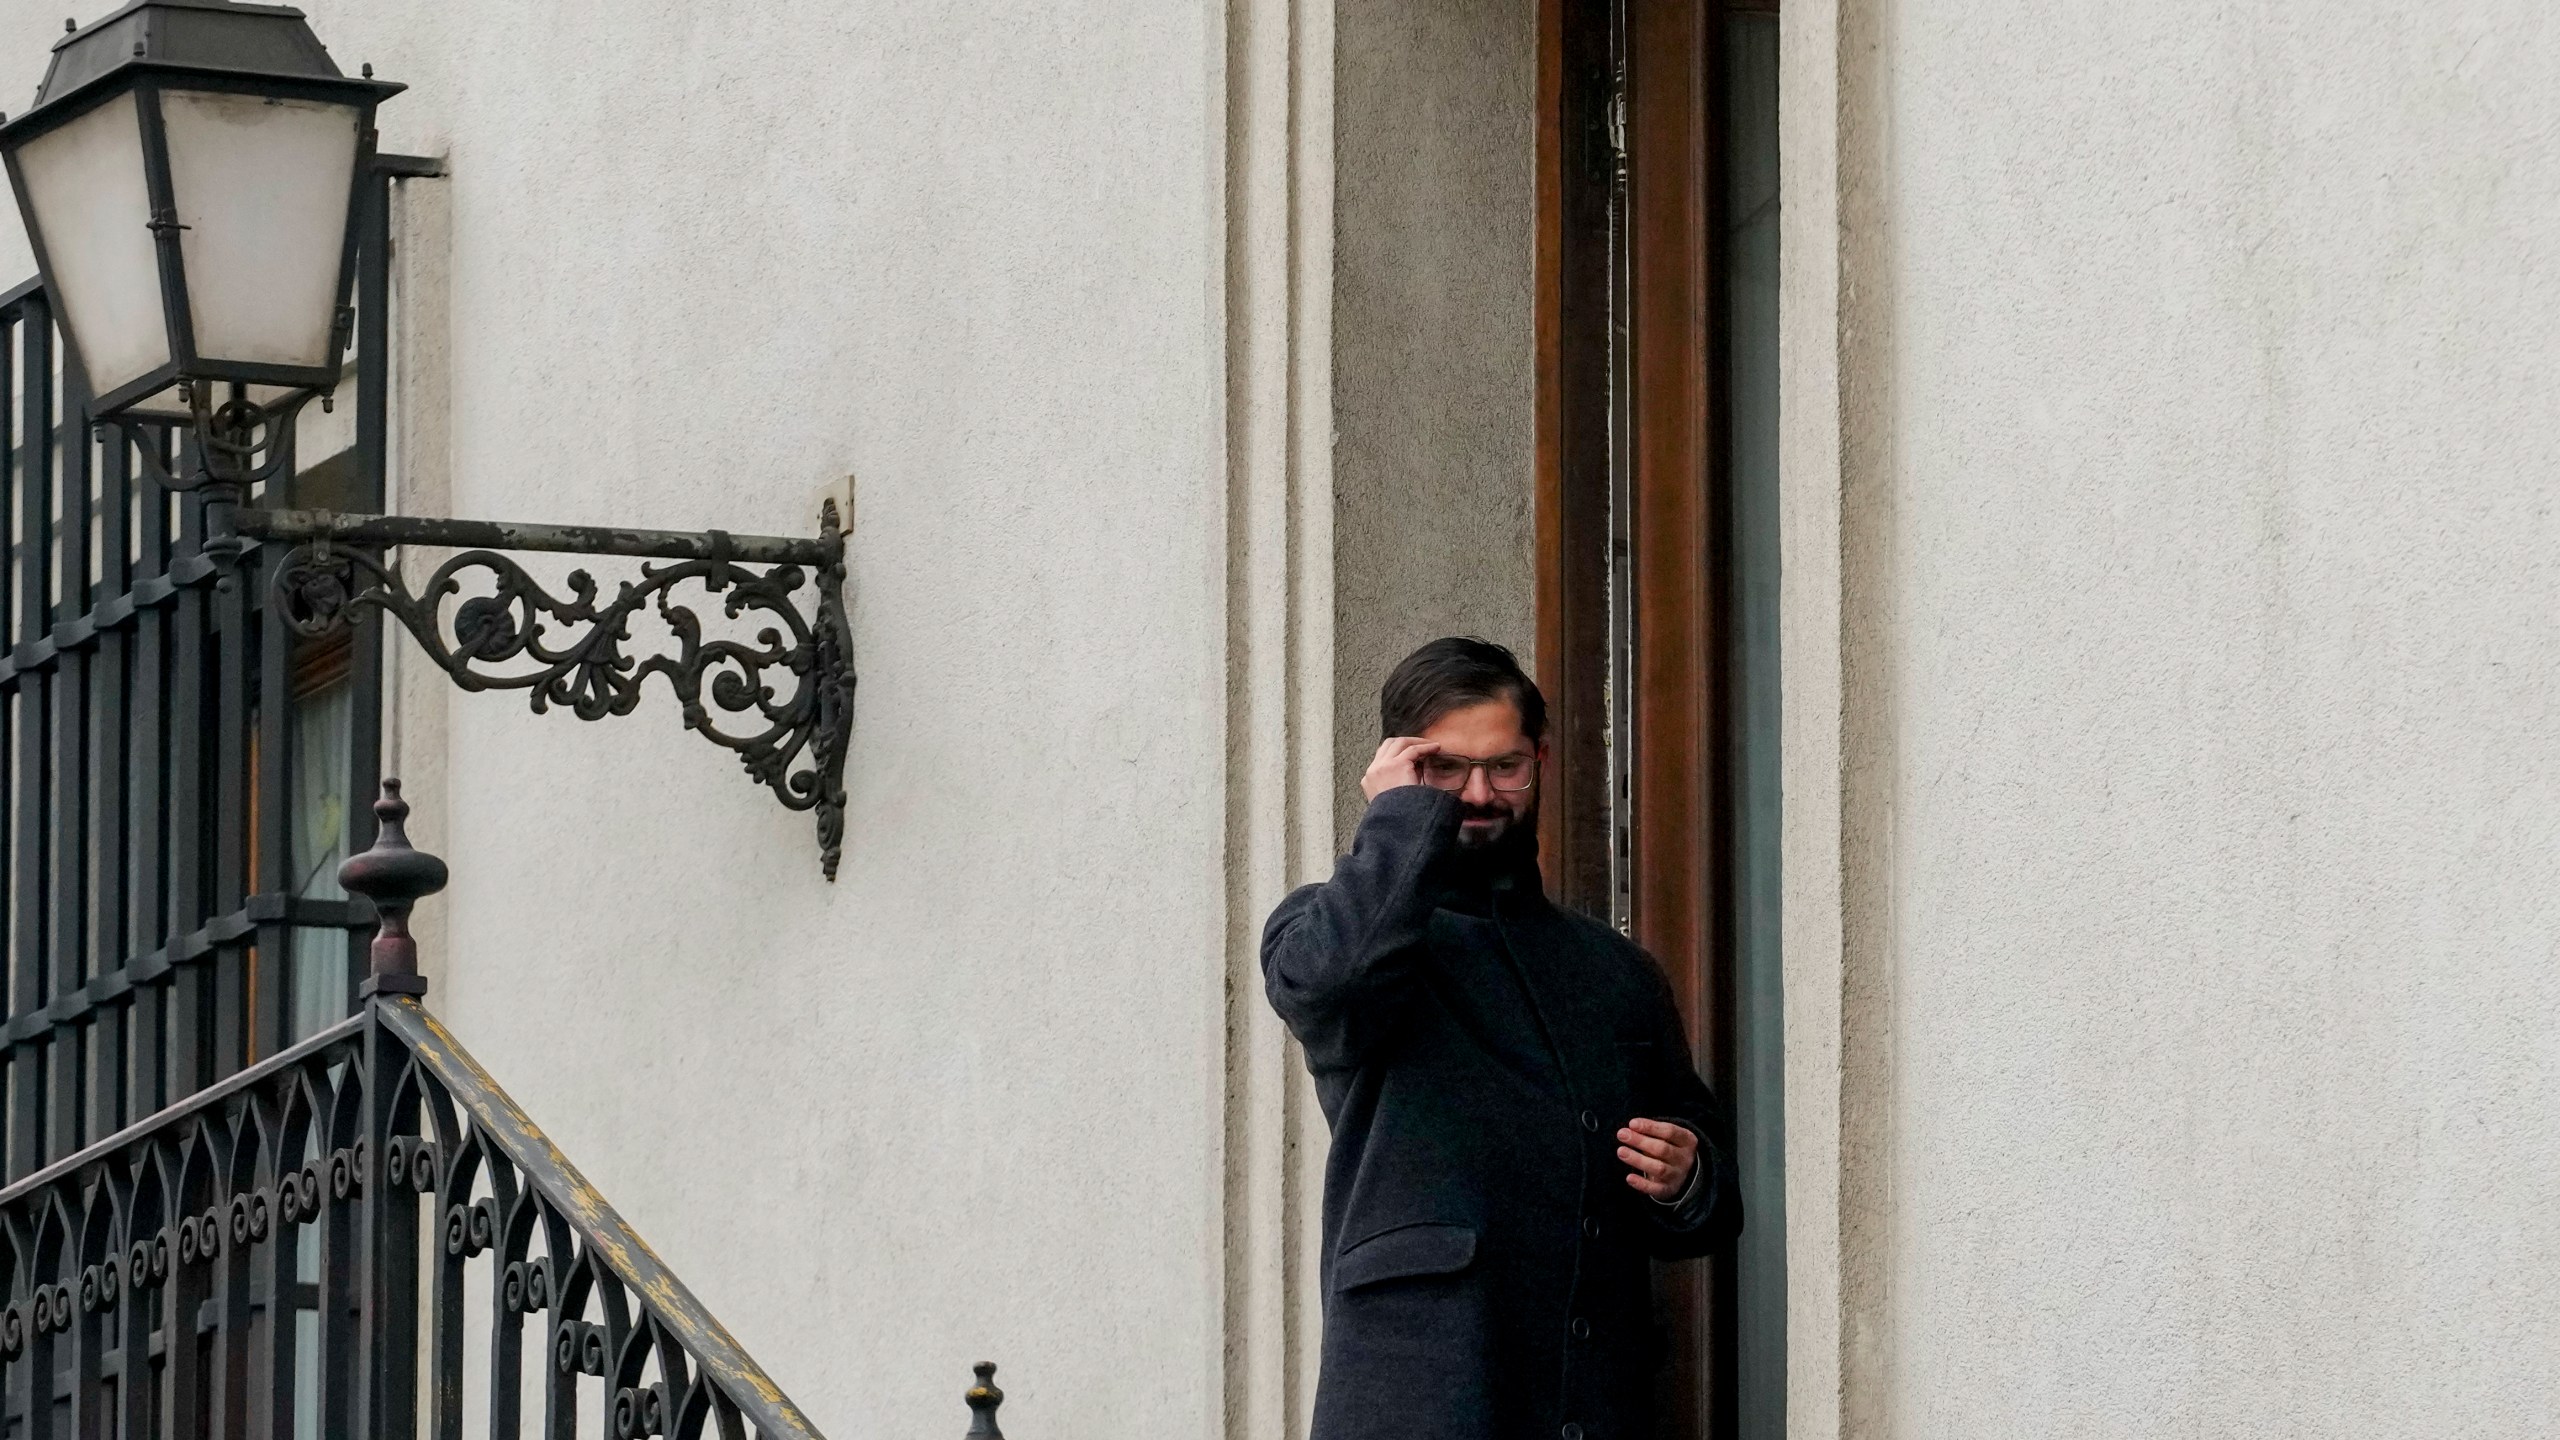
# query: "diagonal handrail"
[602,1231]
[376,1184]
[170,1117]
[196,1221]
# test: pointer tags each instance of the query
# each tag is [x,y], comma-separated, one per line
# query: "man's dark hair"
[1452,674]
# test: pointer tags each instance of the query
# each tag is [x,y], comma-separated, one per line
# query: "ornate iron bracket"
[569,650]
[574,650]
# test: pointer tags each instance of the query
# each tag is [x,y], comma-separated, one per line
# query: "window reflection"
[322,732]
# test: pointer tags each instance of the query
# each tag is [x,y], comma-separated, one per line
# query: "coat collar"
[1503,879]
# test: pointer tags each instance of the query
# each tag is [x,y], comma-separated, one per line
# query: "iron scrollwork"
[194,1224]
[239,443]
[361,1234]
[490,625]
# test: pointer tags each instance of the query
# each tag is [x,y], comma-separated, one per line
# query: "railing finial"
[394,875]
[983,1399]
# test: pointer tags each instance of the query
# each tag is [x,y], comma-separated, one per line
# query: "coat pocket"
[1426,1248]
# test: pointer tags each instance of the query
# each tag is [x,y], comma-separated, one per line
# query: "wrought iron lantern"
[189,177]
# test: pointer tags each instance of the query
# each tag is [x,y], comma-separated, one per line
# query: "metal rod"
[147,901]
[14,1081]
[67,833]
[30,759]
[408,167]
[367,674]
[278,817]
[110,684]
[296,527]
[189,766]
[387,1392]
[232,821]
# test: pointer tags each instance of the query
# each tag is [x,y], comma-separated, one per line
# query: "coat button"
[1591,1122]
[1581,1328]
[1572,1431]
[1590,1227]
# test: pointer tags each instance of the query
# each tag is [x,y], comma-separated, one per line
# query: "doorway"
[1656,444]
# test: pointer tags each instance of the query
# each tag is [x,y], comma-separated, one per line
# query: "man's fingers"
[1403,749]
[1637,1139]
[1678,1135]
[1658,1155]
[1654,1152]
[1643,1164]
[1394,765]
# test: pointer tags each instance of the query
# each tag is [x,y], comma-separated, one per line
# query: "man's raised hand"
[1659,1156]
[1395,764]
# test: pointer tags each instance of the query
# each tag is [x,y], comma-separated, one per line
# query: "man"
[1516,1123]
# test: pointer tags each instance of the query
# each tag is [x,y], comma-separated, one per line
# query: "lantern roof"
[198,36]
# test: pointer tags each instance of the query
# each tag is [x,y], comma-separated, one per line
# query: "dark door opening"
[1656,304]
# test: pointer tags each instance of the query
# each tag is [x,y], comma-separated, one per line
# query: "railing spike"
[394,875]
[983,1399]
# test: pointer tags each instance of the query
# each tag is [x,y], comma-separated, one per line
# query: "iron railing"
[311,1246]
[175,762]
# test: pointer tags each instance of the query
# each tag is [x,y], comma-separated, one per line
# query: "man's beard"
[1510,826]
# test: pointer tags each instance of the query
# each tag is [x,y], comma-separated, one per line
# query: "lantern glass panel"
[85,188]
[262,185]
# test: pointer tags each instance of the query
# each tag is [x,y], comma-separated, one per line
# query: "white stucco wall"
[959,1104]
[2200,560]
[964,1103]
[1435,144]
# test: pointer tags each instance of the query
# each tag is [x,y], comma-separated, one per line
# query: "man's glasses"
[1504,772]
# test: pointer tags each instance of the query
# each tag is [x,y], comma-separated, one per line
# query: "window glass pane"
[323,733]
[86,180]
[262,186]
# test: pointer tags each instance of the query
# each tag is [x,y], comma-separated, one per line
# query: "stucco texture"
[1433,111]
[2203,800]
[704,259]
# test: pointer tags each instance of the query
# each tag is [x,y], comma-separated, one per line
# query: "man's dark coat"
[1475,1049]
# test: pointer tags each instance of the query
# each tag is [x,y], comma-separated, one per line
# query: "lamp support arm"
[752,635]
[301,527]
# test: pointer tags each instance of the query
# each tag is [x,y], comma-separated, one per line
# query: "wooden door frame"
[1671,372]
[1571,303]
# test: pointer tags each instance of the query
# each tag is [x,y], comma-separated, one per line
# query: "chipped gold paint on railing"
[604,1231]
